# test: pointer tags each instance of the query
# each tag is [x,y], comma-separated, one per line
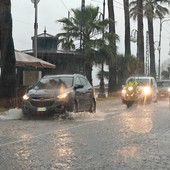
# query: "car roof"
[163,81]
[62,75]
[140,77]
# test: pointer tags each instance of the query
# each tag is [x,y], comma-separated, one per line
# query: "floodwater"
[101,112]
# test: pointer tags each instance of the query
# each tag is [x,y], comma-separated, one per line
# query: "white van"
[143,83]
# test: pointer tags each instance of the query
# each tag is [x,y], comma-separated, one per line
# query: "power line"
[64,5]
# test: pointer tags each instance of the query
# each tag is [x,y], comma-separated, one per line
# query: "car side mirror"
[78,86]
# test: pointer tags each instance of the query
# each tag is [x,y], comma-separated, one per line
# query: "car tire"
[93,106]
[74,108]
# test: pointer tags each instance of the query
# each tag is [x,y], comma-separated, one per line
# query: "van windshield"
[141,82]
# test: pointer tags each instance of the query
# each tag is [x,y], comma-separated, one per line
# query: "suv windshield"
[51,83]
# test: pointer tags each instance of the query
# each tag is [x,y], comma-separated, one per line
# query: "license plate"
[41,109]
[162,95]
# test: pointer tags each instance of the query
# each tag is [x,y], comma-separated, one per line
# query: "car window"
[163,84]
[77,80]
[83,81]
[48,83]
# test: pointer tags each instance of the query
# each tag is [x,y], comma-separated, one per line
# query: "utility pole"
[35,2]
[81,29]
[102,88]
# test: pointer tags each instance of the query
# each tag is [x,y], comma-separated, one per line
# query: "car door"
[88,93]
[79,93]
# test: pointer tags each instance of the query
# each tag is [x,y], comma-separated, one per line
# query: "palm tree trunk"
[8,68]
[112,66]
[140,38]
[88,72]
[151,46]
[127,28]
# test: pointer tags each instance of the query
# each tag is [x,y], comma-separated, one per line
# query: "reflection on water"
[23,152]
[138,120]
[62,144]
[139,125]
[63,150]
[129,151]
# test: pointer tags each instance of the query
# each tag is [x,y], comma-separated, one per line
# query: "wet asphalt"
[113,138]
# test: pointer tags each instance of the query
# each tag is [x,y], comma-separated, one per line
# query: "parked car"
[59,94]
[163,88]
[139,89]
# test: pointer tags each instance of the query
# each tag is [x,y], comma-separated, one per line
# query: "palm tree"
[67,43]
[87,24]
[153,9]
[136,11]
[127,28]
[112,64]
[166,73]
[8,78]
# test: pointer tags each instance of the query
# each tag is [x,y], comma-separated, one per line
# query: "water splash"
[12,114]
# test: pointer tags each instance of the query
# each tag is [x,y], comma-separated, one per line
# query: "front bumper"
[50,107]
[163,94]
[139,97]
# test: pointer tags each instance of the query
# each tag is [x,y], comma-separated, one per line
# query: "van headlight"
[147,90]
[25,97]
[130,88]
[123,91]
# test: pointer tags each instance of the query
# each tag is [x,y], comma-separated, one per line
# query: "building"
[47,50]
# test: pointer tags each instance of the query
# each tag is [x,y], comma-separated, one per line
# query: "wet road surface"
[114,138]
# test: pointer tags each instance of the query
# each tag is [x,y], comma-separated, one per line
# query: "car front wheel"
[93,107]
[74,109]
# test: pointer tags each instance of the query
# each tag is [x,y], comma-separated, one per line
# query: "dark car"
[59,94]
[163,88]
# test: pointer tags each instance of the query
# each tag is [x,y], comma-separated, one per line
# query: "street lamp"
[133,36]
[157,47]
[160,31]
[35,2]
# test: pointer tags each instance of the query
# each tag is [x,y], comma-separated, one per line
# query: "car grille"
[42,103]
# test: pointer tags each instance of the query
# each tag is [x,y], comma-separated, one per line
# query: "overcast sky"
[49,11]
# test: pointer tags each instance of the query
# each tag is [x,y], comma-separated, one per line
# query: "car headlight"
[130,88]
[147,90]
[25,97]
[123,91]
[63,95]
[169,90]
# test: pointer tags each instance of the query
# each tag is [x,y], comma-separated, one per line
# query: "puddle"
[87,116]
[16,114]
[12,114]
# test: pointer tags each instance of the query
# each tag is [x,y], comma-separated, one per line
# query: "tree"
[85,24]
[8,68]
[112,42]
[166,73]
[152,9]
[136,11]
[127,28]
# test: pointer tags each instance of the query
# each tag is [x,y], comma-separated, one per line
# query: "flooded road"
[113,138]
